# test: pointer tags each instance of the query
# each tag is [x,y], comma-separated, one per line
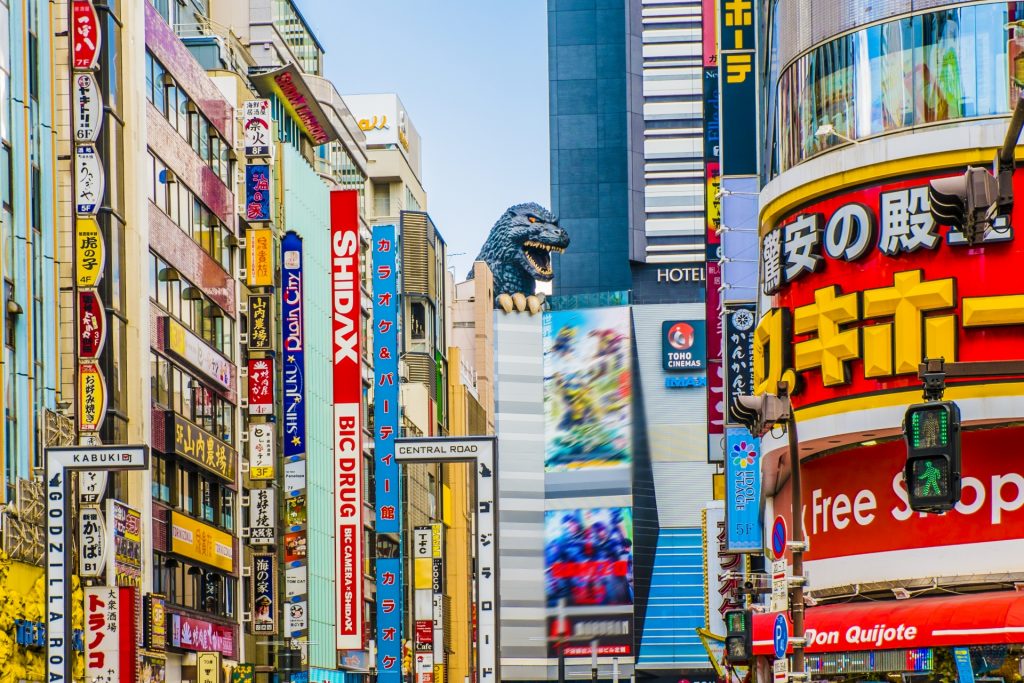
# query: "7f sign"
[348,452]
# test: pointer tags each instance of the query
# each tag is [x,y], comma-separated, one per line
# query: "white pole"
[615,670]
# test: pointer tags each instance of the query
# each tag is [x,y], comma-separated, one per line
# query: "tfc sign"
[851,319]
[348,452]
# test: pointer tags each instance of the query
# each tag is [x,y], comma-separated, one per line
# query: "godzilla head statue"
[518,251]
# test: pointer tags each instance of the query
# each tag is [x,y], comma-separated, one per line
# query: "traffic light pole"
[934,371]
[796,607]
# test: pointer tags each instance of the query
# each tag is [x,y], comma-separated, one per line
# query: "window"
[418,321]
[227,508]
[206,499]
[432,495]
[187,485]
[162,479]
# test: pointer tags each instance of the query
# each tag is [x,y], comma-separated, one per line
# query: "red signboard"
[199,635]
[855,501]
[869,284]
[85,35]
[127,623]
[424,632]
[348,394]
[261,386]
[981,619]
[92,327]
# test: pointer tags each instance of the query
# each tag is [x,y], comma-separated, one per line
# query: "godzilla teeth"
[545,247]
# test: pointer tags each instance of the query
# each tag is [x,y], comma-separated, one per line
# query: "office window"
[162,473]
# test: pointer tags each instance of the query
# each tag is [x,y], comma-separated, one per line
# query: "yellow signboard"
[422,568]
[89,252]
[259,247]
[208,667]
[201,542]
[92,397]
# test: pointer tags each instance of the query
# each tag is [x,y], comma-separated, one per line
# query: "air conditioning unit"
[403,370]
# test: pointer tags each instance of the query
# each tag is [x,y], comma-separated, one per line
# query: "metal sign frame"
[482,453]
[59,461]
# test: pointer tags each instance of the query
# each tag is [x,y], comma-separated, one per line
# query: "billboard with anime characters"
[588,557]
[587,389]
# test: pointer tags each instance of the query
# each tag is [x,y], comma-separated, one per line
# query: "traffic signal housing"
[739,637]
[932,473]
[969,202]
[761,412]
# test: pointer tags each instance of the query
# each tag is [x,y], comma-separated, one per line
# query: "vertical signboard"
[261,386]
[90,252]
[743,518]
[389,620]
[257,193]
[739,354]
[256,127]
[437,591]
[259,246]
[738,103]
[261,320]
[87,108]
[348,392]
[264,592]
[293,346]
[125,545]
[92,542]
[92,398]
[89,180]
[92,327]
[262,517]
[85,35]
[386,381]
[102,663]
[261,451]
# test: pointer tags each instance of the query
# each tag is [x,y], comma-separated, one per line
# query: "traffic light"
[932,473]
[739,637]
[968,203]
[760,413]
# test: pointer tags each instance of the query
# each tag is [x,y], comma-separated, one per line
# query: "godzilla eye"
[531,219]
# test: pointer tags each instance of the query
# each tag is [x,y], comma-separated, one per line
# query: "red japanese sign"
[348,387]
[199,635]
[102,663]
[92,328]
[261,386]
[424,632]
[852,509]
[869,285]
[85,35]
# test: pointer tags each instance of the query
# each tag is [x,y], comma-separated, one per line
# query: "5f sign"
[58,541]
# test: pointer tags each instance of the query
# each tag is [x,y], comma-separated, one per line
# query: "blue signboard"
[257,193]
[389,620]
[743,518]
[964,668]
[683,345]
[386,381]
[738,82]
[780,636]
[293,347]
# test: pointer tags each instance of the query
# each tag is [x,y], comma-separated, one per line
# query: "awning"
[297,97]
[984,618]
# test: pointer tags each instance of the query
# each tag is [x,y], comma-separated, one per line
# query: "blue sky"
[473,76]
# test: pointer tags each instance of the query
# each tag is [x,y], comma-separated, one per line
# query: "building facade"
[861,110]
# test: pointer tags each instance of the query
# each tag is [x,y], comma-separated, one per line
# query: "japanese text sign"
[200,447]
[264,592]
[262,516]
[201,542]
[261,386]
[85,35]
[293,352]
[89,180]
[102,663]
[261,451]
[257,193]
[92,324]
[92,397]
[386,380]
[256,127]
[739,351]
[154,625]
[125,525]
[88,108]
[92,542]
[199,635]
[259,247]
[261,321]
[389,620]
[743,518]
[738,80]
[90,252]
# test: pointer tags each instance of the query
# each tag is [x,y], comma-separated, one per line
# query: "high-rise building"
[861,110]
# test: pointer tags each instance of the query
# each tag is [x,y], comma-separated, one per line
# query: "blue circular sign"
[779,534]
[780,636]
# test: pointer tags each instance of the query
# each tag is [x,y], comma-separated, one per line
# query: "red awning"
[985,618]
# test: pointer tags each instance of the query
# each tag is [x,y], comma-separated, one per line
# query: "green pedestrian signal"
[932,473]
[739,637]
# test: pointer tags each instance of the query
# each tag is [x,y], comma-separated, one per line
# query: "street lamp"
[826,130]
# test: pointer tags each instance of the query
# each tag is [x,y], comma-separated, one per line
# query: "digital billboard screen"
[587,389]
[588,557]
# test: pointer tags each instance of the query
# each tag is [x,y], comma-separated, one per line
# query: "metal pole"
[615,670]
[561,662]
[797,607]
[593,661]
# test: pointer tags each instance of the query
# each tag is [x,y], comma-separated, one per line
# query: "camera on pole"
[739,637]
[761,412]
[932,473]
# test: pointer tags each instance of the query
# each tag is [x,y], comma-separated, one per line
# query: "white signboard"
[421,542]
[261,451]
[256,126]
[262,516]
[296,618]
[58,540]
[199,354]
[780,670]
[88,108]
[102,656]
[780,587]
[481,452]
[92,486]
[424,667]
[92,546]
[295,581]
[295,475]
[88,180]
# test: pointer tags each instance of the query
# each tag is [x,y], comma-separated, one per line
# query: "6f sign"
[58,539]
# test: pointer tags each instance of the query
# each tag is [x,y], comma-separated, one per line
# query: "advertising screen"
[588,557]
[587,389]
